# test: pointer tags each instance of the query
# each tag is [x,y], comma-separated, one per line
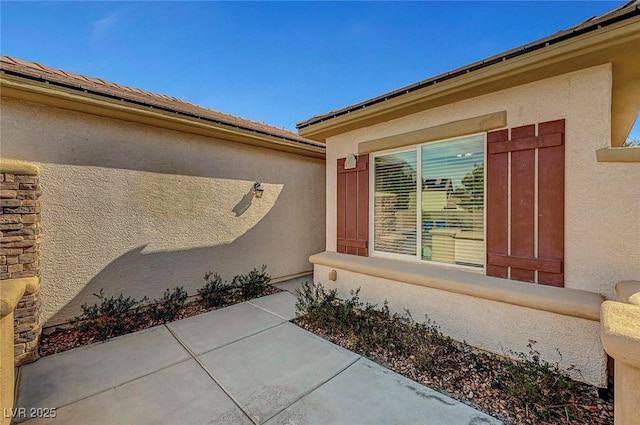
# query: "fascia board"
[42,93]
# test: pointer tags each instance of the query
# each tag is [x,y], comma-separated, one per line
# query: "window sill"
[630,154]
[565,301]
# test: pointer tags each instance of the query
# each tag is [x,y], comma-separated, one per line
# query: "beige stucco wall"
[602,221]
[136,209]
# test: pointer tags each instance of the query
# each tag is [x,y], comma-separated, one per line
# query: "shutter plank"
[353,242]
[341,205]
[496,204]
[526,263]
[522,202]
[363,205]
[551,203]
[526,143]
[351,219]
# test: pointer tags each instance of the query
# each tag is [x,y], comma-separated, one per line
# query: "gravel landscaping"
[63,339]
[527,392]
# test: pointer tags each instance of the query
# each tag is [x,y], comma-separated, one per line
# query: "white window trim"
[417,258]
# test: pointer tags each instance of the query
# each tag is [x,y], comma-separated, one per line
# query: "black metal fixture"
[258,190]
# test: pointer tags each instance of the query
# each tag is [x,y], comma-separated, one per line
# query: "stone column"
[20,234]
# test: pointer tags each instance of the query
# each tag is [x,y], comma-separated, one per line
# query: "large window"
[428,202]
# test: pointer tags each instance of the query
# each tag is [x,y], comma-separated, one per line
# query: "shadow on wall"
[159,231]
[244,204]
[138,273]
[137,209]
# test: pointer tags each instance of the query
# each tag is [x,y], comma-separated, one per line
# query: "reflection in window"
[439,217]
[453,201]
[395,215]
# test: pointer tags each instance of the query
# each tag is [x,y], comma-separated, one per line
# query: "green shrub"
[252,284]
[370,329]
[313,298]
[111,317]
[538,385]
[367,327]
[166,308]
[214,289]
[325,308]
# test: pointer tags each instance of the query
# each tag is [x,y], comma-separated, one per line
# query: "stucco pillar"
[620,322]
[11,290]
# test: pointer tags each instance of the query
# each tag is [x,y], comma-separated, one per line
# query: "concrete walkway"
[244,364]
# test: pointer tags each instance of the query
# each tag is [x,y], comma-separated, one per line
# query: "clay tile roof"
[625,11]
[37,72]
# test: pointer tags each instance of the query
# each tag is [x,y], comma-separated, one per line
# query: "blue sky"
[275,62]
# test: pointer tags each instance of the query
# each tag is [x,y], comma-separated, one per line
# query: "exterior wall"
[136,209]
[490,325]
[602,228]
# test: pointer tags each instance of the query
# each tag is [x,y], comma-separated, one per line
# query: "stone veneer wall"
[20,234]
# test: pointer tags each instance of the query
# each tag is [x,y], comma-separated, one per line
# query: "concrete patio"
[244,364]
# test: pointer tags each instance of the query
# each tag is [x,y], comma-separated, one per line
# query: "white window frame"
[417,258]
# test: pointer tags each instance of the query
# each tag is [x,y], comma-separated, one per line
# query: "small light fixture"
[258,190]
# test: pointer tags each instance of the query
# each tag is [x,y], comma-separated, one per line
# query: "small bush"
[325,308]
[252,284]
[366,327]
[214,289]
[111,317]
[538,385]
[314,298]
[166,308]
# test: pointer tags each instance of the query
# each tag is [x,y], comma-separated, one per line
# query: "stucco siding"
[602,224]
[136,209]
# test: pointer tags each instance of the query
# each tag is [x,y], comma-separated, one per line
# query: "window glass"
[394,205]
[453,201]
[428,202]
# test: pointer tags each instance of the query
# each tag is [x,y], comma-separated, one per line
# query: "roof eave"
[17,87]
[589,49]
